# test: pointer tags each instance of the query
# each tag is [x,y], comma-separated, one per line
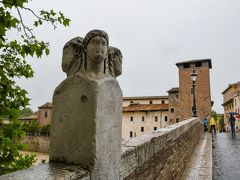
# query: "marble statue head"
[71,58]
[92,56]
[115,61]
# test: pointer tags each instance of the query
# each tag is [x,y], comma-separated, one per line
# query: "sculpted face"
[97,49]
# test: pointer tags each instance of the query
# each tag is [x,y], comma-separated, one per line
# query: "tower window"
[156,119]
[142,129]
[150,102]
[155,128]
[172,110]
[163,102]
[186,65]
[142,118]
[46,114]
[198,64]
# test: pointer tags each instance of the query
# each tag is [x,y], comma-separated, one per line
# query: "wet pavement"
[226,156]
[200,163]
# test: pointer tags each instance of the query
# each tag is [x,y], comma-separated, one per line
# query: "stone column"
[86,125]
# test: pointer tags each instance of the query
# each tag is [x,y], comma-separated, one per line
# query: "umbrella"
[234,113]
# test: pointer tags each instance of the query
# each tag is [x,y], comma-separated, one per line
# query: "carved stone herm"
[87,107]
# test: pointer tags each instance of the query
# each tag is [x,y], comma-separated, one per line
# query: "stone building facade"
[144,114]
[173,99]
[202,88]
[231,102]
[44,114]
[29,119]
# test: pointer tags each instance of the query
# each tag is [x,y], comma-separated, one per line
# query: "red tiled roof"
[46,105]
[144,97]
[146,107]
[231,85]
[175,89]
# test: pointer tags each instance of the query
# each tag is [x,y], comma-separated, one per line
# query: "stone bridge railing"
[162,154]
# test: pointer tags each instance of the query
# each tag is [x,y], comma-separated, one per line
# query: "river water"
[40,157]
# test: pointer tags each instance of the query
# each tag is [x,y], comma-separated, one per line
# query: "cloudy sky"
[153,36]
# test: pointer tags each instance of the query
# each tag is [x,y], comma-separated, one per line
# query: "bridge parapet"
[162,154]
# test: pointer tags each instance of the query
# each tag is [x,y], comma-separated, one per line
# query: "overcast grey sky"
[153,36]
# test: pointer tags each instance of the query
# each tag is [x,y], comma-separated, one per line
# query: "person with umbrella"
[232,123]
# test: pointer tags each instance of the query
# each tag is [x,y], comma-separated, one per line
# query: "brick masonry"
[202,89]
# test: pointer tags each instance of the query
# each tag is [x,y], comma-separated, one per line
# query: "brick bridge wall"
[162,154]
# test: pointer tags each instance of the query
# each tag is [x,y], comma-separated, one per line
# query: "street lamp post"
[193,79]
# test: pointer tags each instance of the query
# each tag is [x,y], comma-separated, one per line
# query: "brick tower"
[202,88]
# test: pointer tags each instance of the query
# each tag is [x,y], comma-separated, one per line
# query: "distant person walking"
[232,123]
[212,125]
[205,123]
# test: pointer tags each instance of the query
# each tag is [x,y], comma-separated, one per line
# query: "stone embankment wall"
[36,143]
[163,154]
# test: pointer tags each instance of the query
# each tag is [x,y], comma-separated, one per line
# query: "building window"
[172,110]
[177,120]
[131,102]
[155,128]
[186,66]
[198,64]
[131,134]
[46,114]
[150,102]
[142,118]
[142,129]
[135,134]
[131,118]
[166,118]
[156,119]
[177,96]
[163,102]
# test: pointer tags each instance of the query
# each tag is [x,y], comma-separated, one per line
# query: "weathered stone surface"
[200,163]
[49,172]
[86,124]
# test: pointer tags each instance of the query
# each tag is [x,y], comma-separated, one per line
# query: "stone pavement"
[226,156]
[200,163]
